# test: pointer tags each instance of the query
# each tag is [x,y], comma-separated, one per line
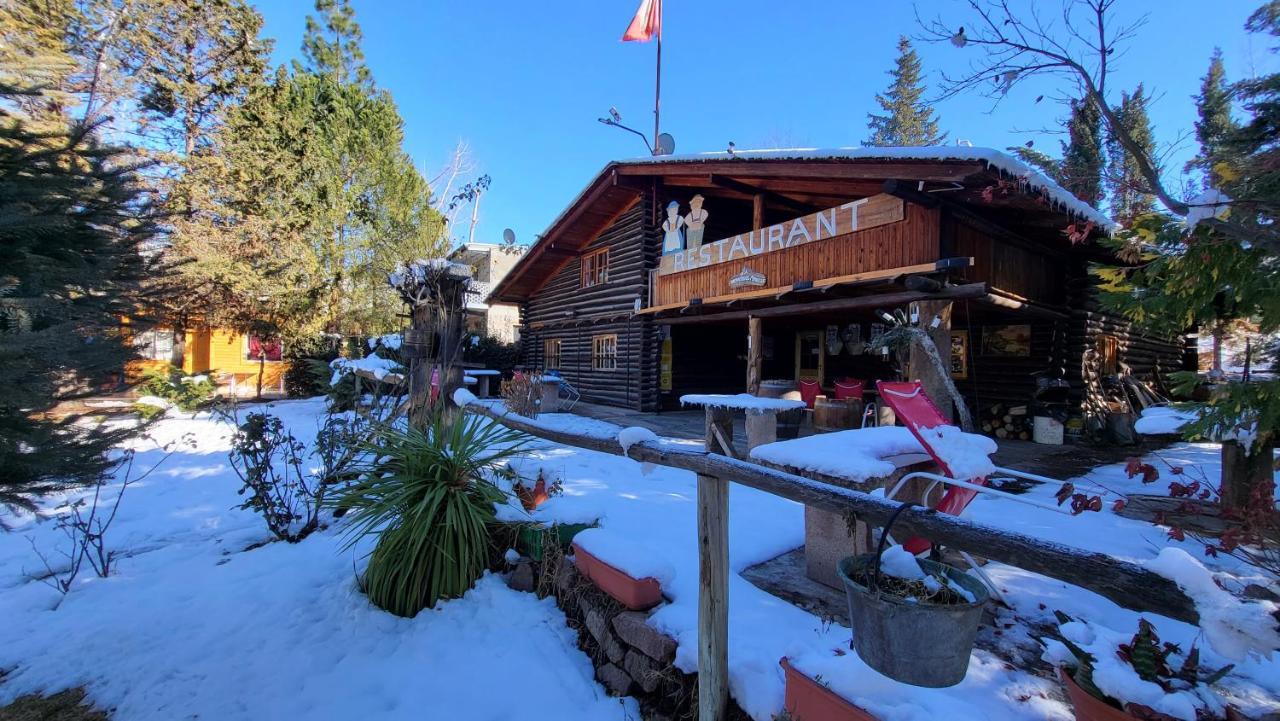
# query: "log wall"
[1033,274]
[562,309]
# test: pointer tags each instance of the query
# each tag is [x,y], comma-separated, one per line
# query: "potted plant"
[533,539]
[913,620]
[1153,681]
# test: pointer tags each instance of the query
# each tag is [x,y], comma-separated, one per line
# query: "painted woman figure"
[696,222]
[672,228]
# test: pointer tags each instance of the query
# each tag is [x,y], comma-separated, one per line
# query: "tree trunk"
[1245,475]
[920,365]
[177,354]
[262,371]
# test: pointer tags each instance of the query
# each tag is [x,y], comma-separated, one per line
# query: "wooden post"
[755,355]
[762,428]
[419,351]
[920,367]
[757,211]
[713,577]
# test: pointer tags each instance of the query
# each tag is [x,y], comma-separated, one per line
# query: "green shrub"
[491,353]
[301,378]
[188,393]
[428,501]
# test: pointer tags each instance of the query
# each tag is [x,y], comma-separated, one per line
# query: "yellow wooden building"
[232,359]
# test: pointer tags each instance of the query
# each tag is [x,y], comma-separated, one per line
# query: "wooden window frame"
[547,354]
[595,269]
[600,359]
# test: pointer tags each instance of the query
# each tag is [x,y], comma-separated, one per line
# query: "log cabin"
[664,273]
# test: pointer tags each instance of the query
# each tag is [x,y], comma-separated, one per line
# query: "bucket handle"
[873,584]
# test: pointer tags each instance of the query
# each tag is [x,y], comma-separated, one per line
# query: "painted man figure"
[696,222]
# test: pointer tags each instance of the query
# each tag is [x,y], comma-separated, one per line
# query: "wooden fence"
[1126,583]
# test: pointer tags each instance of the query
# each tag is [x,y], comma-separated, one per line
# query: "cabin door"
[810,356]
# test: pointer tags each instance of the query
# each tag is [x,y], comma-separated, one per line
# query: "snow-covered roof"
[993,158]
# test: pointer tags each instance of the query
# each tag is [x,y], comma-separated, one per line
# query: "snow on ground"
[194,626]
[1158,420]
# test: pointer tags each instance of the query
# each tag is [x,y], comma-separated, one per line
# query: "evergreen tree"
[332,43]
[1214,124]
[1047,164]
[1082,158]
[197,57]
[1130,197]
[907,120]
[71,226]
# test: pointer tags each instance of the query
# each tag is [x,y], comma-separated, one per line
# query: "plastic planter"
[530,537]
[808,700]
[922,644]
[637,594]
[1089,707]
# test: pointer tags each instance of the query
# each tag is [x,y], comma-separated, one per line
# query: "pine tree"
[1129,196]
[332,43]
[1082,158]
[71,225]
[197,58]
[907,121]
[1047,164]
[1214,124]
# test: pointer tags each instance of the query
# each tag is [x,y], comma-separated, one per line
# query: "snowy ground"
[193,625]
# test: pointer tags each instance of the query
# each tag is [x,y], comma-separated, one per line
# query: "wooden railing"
[1127,584]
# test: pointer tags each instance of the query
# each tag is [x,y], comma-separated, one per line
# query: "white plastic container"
[1047,430]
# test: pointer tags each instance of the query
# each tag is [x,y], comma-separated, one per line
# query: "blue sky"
[523,82]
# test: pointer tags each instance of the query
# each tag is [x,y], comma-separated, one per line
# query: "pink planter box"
[808,700]
[636,594]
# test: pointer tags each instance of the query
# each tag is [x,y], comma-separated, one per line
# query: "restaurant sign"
[853,216]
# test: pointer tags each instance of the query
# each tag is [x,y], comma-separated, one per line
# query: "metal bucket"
[922,644]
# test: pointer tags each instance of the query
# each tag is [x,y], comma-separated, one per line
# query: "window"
[154,344]
[595,268]
[551,354]
[604,352]
[259,349]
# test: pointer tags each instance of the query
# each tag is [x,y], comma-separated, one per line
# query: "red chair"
[847,388]
[809,391]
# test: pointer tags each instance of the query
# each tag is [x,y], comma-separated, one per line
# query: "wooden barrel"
[776,388]
[830,414]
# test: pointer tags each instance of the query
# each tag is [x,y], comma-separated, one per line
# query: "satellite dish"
[509,236]
[666,145]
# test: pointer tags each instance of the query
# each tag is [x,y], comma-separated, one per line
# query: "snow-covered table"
[762,413]
[863,460]
[483,377]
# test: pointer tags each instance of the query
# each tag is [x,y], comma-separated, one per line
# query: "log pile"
[1007,421]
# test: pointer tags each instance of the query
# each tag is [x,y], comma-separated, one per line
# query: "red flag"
[646,23]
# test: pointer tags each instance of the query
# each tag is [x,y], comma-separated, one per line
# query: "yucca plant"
[427,499]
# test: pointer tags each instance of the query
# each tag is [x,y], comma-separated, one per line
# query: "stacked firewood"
[1004,421]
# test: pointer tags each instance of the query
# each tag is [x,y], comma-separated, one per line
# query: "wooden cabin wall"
[908,242]
[562,309]
[1145,354]
[1007,380]
[1033,274]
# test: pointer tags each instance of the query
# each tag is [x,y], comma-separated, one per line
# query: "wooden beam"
[1124,582]
[757,211]
[713,575]
[775,198]
[755,353]
[972,290]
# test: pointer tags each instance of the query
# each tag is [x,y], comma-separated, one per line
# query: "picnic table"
[482,376]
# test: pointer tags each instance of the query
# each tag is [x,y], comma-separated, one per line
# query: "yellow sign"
[853,216]
[664,366]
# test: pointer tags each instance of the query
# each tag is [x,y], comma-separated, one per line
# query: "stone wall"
[631,657]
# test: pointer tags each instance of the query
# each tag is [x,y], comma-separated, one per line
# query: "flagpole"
[657,89]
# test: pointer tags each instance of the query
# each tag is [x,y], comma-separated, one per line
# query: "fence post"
[713,576]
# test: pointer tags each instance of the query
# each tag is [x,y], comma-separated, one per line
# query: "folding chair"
[567,395]
[918,413]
